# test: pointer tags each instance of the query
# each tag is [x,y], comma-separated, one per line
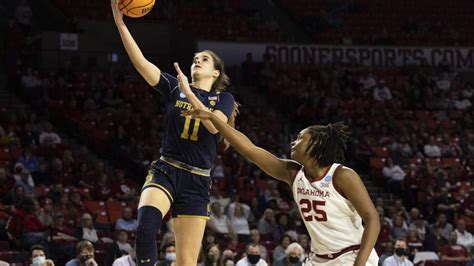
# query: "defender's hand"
[201,114]
[183,80]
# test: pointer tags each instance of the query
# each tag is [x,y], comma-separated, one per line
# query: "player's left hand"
[183,80]
[198,113]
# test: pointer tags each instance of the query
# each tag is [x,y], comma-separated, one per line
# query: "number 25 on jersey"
[194,132]
[308,205]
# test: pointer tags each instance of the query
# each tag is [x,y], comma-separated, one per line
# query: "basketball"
[136,8]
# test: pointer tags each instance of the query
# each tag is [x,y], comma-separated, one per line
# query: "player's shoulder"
[343,173]
[225,95]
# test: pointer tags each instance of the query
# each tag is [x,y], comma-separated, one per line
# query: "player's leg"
[155,201]
[188,236]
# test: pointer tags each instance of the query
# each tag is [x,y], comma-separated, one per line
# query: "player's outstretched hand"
[199,113]
[118,15]
[183,81]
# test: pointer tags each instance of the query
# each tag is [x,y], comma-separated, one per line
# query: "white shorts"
[347,258]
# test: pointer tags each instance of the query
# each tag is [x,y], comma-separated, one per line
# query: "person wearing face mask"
[253,257]
[168,253]
[400,257]
[294,256]
[84,255]
[228,257]
[128,260]
[38,258]
[212,256]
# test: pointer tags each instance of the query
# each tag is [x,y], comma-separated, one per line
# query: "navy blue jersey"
[185,139]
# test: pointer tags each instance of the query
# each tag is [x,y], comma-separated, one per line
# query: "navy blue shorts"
[188,192]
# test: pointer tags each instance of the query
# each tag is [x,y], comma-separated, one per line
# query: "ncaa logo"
[328,178]
[182,95]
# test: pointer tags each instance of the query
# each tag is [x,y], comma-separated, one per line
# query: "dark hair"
[36,247]
[220,84]
[163,249]
[222,80]
[328,143]
[206,251]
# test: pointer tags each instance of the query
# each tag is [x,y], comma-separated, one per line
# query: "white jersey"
[331,220]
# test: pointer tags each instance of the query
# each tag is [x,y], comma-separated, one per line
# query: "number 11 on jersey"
[194,133]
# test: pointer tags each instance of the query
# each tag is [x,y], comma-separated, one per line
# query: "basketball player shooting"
[331,198]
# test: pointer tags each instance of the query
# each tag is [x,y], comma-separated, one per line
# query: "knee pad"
[149,221]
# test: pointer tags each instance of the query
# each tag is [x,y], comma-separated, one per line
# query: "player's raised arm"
[149,71]
[281,169]
[350,184]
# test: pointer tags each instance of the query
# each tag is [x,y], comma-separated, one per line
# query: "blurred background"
[79,126]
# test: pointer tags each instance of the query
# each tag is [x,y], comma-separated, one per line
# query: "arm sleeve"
[166,85]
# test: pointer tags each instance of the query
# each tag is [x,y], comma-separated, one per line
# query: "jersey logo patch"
[182,95]
[328,178]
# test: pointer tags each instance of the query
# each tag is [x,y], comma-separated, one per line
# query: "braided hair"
[328,143]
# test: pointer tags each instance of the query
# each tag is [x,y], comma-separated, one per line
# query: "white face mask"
[38,261]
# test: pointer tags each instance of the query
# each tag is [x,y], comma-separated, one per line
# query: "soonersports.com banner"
[461,58]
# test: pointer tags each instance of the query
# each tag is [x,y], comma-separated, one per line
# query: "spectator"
[46,214]
[28,160]
[26,181]
[126,222]
[128,260]
[394,174]
[431,149]
[7,183]
[217,196]
[38,256]
[102,189]
[387,252]
[280,251]
[399,258]
[23,15]
[413,216]
[267,223]
[84,255]
[228,257]
[123,189]
[28,137]
[414,243]
[446,228]
[382,93]
[87,230]
[434,240]
[303,240]
[218,222]
[252,257]
[255,237]
[421,226]
[464,238]
[42,176]
[212,256]
[119,248]
[283,227]
[444,204]
[48,137]
[15,197]
[294,256]
[453,251]
[398,230]
[240,224]
[167,255]
[33,231]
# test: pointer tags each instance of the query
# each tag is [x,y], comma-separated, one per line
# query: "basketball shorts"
[187,189]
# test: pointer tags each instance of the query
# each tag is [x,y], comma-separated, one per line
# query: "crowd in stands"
[413,23]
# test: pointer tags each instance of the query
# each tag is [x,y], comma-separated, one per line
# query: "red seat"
[377,162]
[451,162]
[380,151]
[10,256]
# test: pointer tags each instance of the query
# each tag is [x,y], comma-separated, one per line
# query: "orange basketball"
[136,8]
